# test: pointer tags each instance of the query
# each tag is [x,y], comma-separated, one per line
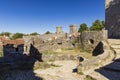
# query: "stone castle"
[106,51]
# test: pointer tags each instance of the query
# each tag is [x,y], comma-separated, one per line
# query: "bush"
[17,35]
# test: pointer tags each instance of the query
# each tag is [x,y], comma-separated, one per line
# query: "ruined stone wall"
[113,18]
[48,42]
[90,39]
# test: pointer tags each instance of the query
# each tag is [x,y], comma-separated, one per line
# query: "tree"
[5,33]
[48,32]
[83,27]
[97,25]
[34,33]
[102,24]
[17,35]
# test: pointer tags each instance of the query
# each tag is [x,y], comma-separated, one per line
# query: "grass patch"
[86,55]
[68,49]
[51,60]
[49,52]
[1,52]
[96,64]
[82,50]
[81,73]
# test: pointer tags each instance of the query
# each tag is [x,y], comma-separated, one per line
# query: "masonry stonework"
[113,18]
[73,29]
[90,39]
[59,30]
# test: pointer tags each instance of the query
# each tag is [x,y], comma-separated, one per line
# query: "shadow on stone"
[98,49]
[75,70]
[19,66]
[111,71]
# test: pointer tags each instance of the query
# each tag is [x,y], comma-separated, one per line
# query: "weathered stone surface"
[115,45]
[48,43]
[113,19]
[107,3]
[90,39]
[97,61]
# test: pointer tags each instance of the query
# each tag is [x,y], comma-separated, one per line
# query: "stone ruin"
[54,41]
[90,39]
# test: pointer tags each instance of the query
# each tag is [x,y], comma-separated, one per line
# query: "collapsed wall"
[49,42]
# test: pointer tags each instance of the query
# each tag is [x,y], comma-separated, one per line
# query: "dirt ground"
[62,71]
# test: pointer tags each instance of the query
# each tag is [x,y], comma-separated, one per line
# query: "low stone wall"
[90,39]
[98,61]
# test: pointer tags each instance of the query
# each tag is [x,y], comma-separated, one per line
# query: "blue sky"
[28,16]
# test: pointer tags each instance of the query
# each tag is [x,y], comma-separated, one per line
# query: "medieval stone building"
[13,47]
[113,18]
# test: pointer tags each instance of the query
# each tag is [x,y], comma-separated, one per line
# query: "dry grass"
[1,52]
[70,52]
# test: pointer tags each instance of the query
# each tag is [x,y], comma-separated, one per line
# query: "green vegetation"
[1,52]
[5,33]
[34,33]
[48,32]
[81,73]
[49,52]
[17,35]
[83,27]
[97,25]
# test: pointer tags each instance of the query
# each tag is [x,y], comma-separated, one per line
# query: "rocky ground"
[62,71]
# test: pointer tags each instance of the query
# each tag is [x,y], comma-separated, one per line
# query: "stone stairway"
[115,45]
[110,71]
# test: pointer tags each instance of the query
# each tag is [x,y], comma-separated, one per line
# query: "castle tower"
[59,30]
[112,18]
[107,3]
[73,29]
